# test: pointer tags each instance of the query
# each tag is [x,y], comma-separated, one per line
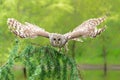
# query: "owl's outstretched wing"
[26,30]
[87,29]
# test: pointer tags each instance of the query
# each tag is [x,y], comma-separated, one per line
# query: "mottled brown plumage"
[86,29]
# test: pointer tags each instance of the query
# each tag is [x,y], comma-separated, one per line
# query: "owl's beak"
[56,42]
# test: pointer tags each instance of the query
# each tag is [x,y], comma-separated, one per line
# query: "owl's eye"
[54,39]
[59,39]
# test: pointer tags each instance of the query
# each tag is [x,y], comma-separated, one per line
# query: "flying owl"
[28,30]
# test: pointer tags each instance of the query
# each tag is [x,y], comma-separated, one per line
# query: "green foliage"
[41,63]
[5,70]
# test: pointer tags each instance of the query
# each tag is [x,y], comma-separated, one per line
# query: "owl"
[27,30]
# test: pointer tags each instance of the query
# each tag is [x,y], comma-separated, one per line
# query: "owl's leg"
[59,49]
[66,47]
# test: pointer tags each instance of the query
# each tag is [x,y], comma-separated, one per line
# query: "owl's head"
[57,40]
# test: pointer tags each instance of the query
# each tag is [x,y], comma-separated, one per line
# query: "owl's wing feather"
[87,29]
[26,30]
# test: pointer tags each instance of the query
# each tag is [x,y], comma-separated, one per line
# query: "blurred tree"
[41,63]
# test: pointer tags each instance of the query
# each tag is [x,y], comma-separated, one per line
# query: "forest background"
[62,16]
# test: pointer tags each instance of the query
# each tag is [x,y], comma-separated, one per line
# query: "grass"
[115,60]
[99,75]
[86,74]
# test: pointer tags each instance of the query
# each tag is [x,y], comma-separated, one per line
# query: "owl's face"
[57,40]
